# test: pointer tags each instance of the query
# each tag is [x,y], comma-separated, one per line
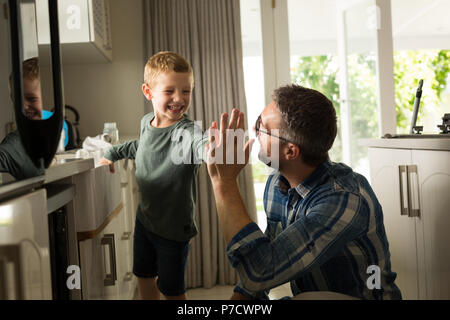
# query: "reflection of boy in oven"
[13,157]
[32,102]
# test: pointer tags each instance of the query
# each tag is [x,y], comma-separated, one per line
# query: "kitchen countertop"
[60,169]
[64,168]
[441,143]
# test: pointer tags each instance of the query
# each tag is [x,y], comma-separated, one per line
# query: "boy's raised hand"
[104,161]
[228,153]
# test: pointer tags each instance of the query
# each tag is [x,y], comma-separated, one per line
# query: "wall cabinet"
[413,187]
[85,30]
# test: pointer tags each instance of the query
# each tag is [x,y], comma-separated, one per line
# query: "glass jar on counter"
[110,129]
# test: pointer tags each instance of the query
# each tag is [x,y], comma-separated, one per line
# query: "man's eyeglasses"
[258,130]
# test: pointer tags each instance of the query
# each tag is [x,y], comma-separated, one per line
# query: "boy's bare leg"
[148,289]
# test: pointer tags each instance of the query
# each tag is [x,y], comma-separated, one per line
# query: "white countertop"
[67,167]
[442,144]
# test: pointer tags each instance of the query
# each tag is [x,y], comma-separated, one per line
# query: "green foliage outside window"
[321,72]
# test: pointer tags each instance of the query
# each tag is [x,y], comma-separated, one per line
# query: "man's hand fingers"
[212,139]
[223,124]
[248,149]
[234,119]
[241,121]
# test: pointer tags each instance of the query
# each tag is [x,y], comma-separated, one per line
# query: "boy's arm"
[125,150]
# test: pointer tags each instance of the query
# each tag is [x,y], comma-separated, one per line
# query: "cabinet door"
[124,255]
[99,263]
[433,176]
[400,229]
[92,268]
[101,26]
[73,18]
[24,248]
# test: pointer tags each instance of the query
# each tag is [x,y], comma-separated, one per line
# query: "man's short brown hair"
[165,61]
[309,119]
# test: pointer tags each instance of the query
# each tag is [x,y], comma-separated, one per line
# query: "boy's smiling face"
[170,95]
[32,101]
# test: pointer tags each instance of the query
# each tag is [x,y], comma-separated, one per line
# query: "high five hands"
[227,151]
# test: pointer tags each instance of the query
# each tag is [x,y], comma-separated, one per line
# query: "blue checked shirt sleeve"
[328,225]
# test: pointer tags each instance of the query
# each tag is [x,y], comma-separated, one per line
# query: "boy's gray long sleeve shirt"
[15,160]
[167,161]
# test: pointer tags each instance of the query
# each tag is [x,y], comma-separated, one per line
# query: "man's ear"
[292,151]
[146,91]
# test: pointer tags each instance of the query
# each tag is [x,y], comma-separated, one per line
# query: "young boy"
[165,216]
[13,157]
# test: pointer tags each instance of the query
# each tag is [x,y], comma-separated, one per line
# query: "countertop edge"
[67,169]
[439,144]
[18,187]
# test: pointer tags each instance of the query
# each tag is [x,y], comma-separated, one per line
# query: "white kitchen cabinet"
[104,259]
[25,272]
[106,245]
[126,277]
[433,227]
[413,187]
[84,27]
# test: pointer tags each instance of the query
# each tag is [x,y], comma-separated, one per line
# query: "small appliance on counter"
[416,131]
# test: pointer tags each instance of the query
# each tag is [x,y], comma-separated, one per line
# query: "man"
[324,223]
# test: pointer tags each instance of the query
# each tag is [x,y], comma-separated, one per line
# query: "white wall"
[110,92]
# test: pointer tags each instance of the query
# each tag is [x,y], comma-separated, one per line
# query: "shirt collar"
[306,185]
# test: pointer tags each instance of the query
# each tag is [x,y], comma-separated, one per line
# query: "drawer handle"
[128,276]
[412,212]
[10,267]
[110,279]
[126,236]
[404,211]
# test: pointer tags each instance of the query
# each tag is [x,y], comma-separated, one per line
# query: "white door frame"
[276,60]
[275,43]
[387,122]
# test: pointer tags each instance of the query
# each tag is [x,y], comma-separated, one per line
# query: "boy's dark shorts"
[155,256]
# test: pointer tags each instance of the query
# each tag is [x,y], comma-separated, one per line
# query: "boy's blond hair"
[165,61]
[31,68]
[30,71]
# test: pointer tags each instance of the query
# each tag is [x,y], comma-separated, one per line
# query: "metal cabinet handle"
[126,235]
[10,254]
[110,279]
[128,276]
[412,212]
[403,210]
